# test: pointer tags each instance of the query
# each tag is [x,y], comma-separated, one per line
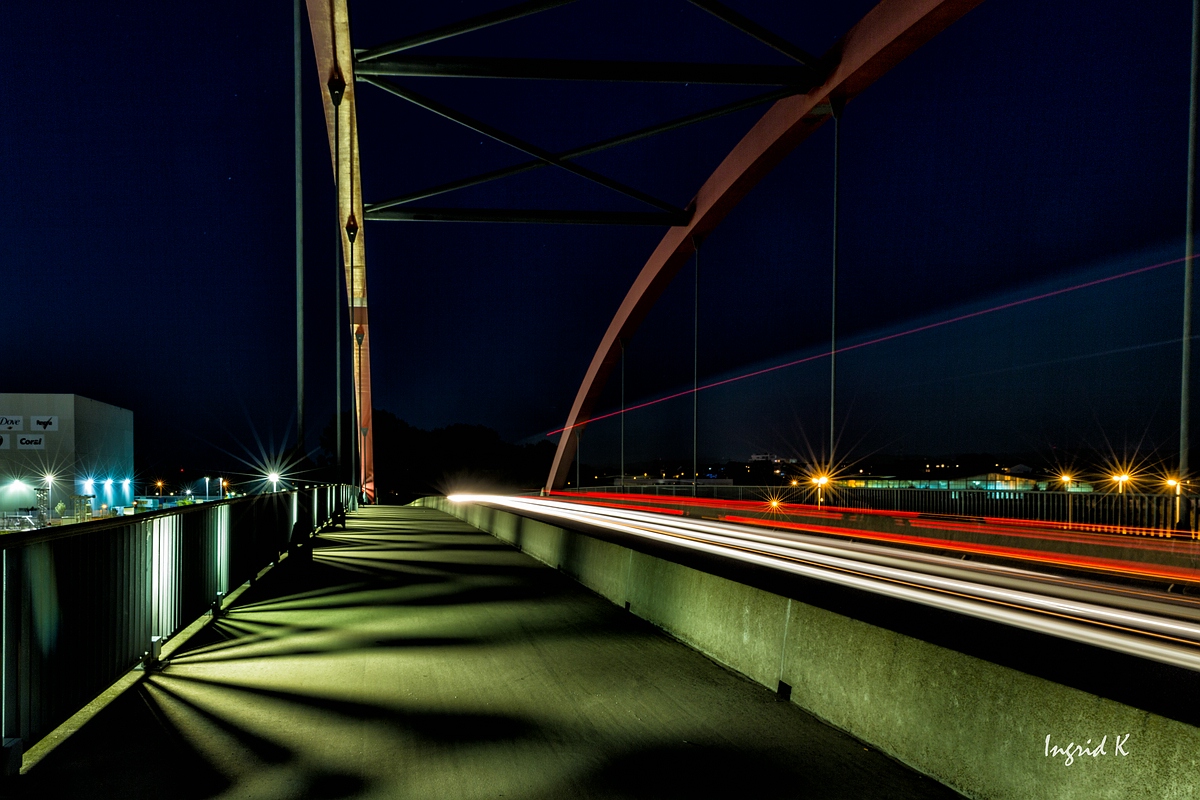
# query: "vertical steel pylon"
[329,22]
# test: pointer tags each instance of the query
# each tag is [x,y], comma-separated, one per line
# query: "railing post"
[11,693]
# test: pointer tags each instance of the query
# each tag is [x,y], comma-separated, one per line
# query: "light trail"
[878,340]
[1159,628]
[1150,540]
[1091,563]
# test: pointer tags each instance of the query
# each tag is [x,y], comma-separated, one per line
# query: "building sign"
[8,423]
[43,424]
[5,438]
[31,441]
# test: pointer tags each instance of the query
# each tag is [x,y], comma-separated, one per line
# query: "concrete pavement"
[416,657]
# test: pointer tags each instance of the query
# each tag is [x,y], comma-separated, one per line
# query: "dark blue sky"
[147,229]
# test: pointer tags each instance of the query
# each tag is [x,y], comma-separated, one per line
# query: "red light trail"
[879,340]
[1141,622]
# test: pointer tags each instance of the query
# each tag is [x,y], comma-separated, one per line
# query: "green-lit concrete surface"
[419,658]
[973,724]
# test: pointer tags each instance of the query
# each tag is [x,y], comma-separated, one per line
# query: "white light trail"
[1159,630]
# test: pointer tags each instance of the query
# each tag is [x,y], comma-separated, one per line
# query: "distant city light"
[17,484]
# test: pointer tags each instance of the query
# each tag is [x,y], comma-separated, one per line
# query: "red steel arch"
[879,41]
[329,22]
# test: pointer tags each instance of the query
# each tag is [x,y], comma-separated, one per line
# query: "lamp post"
[206,495]
[49,498]
[274,479]
[159,484]
[1177,485]
[1121,480]
[1066,479]
[820,481]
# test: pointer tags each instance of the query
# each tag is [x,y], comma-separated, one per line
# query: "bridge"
[674,639]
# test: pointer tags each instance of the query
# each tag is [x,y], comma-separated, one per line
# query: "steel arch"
[328,21]
[884,37]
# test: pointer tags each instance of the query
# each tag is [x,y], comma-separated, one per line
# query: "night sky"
[147,246]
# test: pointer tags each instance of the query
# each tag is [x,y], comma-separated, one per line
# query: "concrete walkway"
[419,658]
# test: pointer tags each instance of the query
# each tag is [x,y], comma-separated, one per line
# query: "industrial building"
[64,447]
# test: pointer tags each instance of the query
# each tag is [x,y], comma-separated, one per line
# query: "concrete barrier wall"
[976,726]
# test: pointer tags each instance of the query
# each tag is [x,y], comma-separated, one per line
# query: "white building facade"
[67,445]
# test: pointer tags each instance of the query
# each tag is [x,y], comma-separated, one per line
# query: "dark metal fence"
[82,605]
[1164,513]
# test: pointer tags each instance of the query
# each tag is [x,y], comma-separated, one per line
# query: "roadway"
[417,657]
[1145,622]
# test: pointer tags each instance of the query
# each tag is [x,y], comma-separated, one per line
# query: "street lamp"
[206,497]
[49,496]
[1066,479]
[159,484]
[1121,480]
[274,479]
[1177,485]
[820,481]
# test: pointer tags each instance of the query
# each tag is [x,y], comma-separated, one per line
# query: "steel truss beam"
[554,69]
[579,152]
[459,28]
[888,33]
[753,29]
[519,144]
[528,216]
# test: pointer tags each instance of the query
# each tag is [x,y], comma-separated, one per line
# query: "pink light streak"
[879,340]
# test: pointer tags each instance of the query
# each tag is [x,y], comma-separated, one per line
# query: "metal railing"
[1165,513]
[80,606]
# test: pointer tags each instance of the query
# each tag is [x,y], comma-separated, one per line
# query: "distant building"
[992,481]
[771,458]
[656,480]
[64,446]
